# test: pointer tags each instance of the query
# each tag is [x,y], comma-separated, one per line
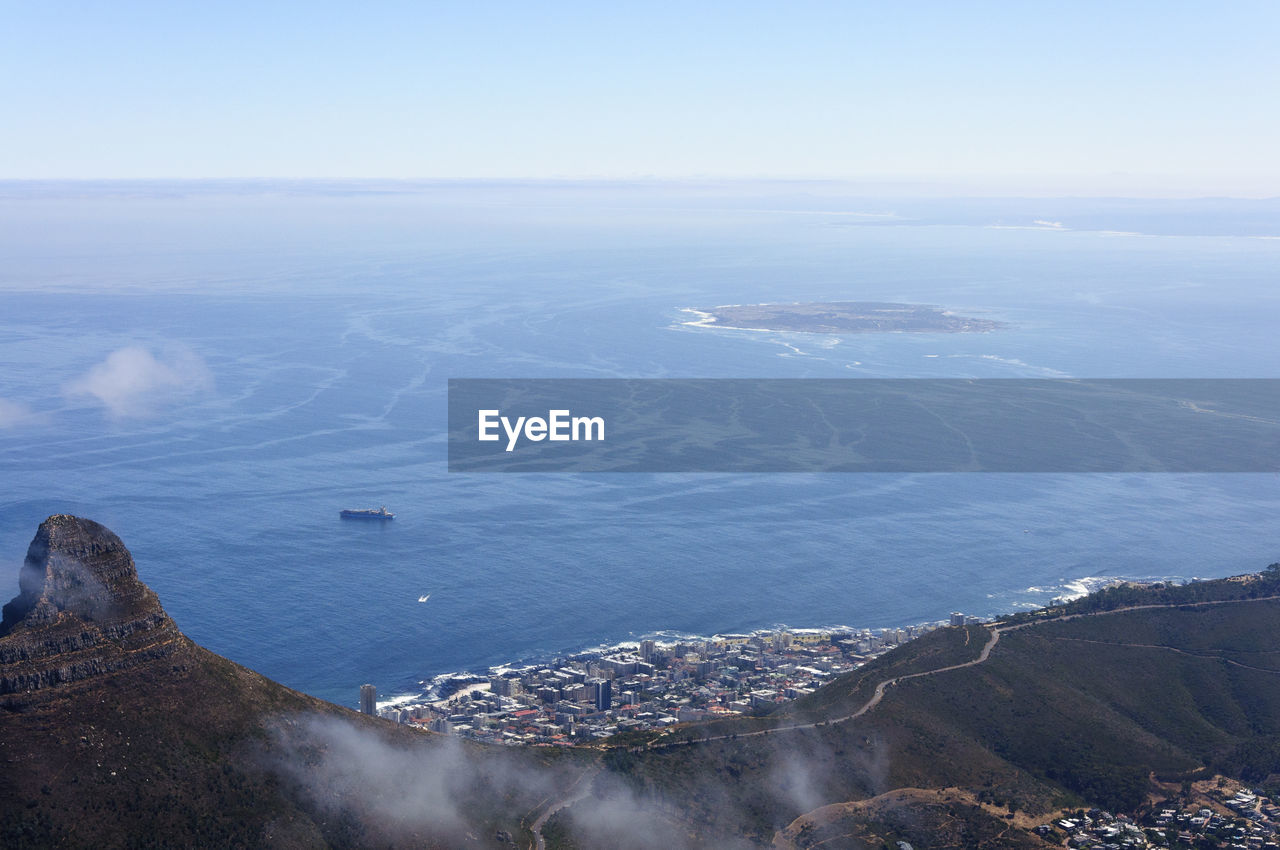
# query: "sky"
[1093,97]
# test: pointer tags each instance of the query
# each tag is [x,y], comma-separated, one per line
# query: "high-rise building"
[368,699]
[957,619]
[600,691]
[604,696]
[646,649]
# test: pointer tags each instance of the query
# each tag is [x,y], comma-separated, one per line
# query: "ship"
[380,513]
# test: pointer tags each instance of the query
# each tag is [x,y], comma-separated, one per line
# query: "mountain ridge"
[116,730]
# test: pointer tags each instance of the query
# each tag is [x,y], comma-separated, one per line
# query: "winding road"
[995,631]
[568,799]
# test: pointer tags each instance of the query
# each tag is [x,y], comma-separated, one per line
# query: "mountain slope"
[1081,710]
[117,731]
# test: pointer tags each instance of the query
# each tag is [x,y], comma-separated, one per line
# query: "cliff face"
[81,612]
[116,730]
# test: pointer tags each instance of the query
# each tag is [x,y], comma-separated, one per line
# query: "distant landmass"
[840,317]
[1156,701]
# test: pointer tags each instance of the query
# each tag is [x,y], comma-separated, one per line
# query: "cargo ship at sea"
[379,513]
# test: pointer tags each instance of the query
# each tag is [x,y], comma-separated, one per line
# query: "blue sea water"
[314,328]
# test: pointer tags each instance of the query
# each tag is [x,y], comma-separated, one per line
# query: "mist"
[440,787]
[437,787]
[15,414]
[133,383]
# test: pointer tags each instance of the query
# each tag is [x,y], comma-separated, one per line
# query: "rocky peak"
[78,568]
[80,611]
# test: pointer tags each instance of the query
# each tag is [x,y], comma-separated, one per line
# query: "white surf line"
[708,320]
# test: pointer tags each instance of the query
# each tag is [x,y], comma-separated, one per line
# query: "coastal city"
[646,685]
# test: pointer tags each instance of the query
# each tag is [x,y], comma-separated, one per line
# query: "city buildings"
[648,684]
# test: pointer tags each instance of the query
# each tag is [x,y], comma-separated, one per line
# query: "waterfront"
[648,684]
[328,325]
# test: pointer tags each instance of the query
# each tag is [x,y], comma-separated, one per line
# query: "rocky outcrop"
[118,731]
[80,613]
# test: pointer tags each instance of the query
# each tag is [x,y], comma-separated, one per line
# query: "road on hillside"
[878,694]
[582,783]
[995,631]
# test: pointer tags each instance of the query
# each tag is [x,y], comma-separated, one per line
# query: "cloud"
[432,789]
[356,769]
[620,820]
[15,414]
[132,382]
[439,788]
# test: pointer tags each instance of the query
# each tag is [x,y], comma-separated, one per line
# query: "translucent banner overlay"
[869,425]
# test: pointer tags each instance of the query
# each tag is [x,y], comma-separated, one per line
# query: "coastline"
[707,319]
[446,688]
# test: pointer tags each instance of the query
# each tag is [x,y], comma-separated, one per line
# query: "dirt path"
[583,782]
[995,632]
[569,797]
[1205,656]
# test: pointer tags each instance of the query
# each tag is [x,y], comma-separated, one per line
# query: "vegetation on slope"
[1079,710]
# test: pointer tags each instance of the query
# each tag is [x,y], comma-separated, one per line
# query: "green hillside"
[1082,710]
[118,731]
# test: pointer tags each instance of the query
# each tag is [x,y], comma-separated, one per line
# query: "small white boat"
[424,598]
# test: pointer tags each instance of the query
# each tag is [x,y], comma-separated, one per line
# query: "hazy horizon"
[836,187]
[1142,99]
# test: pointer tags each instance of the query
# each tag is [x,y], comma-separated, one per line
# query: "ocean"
[214,370]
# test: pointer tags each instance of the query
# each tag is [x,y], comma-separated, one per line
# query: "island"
[839,317]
